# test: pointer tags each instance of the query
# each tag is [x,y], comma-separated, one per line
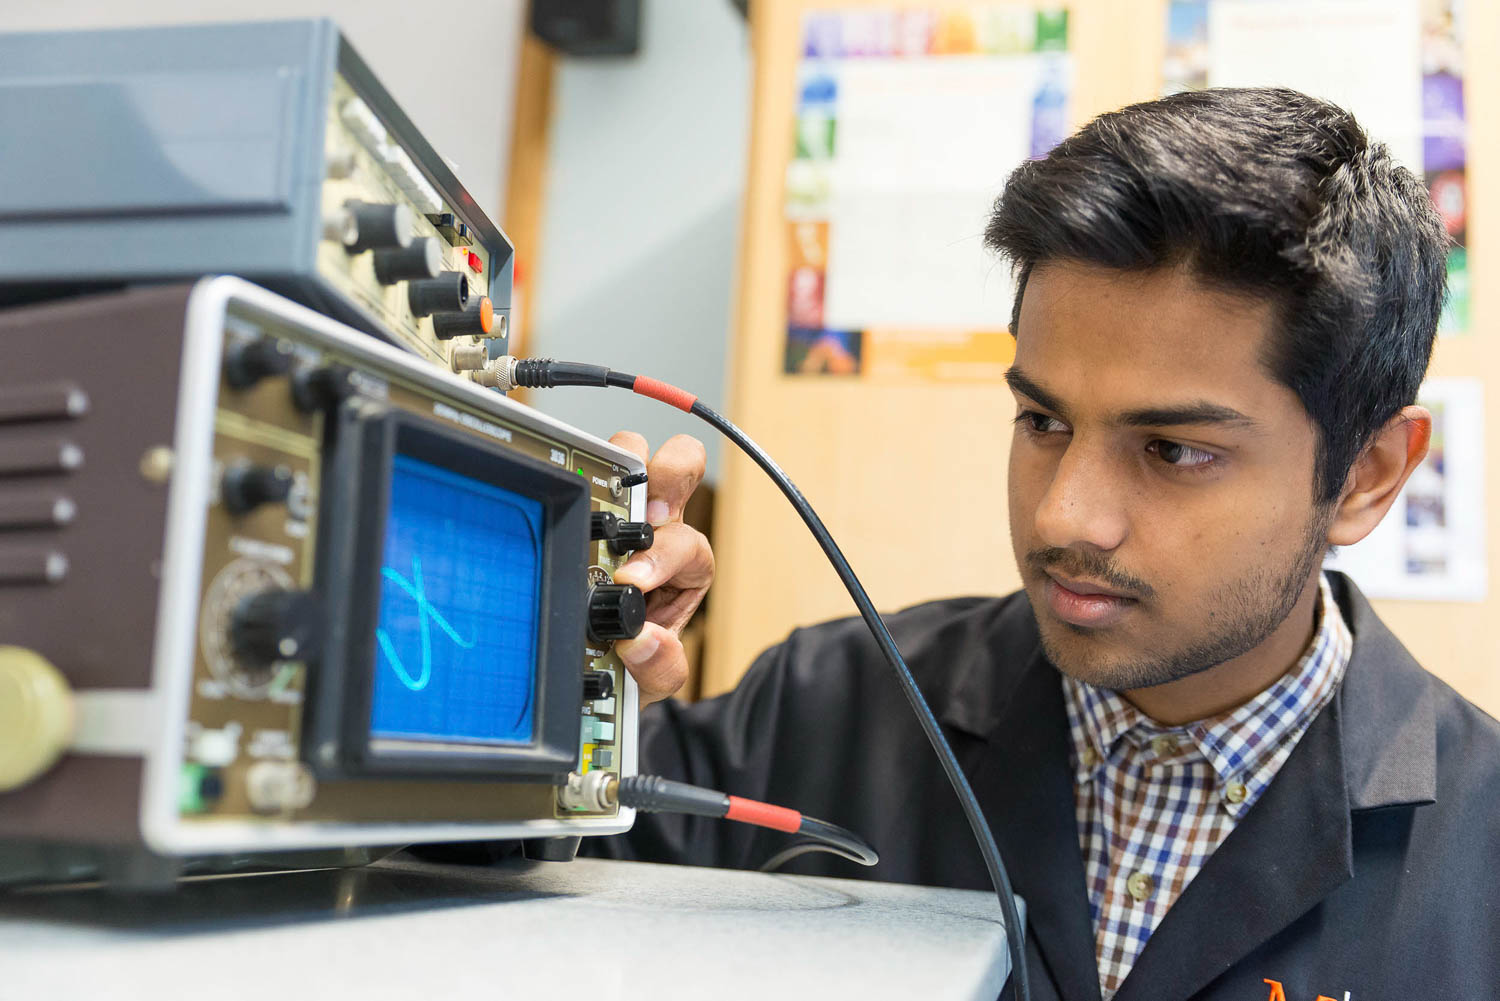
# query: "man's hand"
[675,572]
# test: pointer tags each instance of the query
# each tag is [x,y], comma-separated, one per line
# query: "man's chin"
[1097,657]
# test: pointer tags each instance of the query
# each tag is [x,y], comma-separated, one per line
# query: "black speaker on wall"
[588,27]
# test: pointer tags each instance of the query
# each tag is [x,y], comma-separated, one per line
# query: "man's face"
[1161,482]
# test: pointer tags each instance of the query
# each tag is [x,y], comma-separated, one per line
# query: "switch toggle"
[422,259]
[246,486]
[620,536]
[616,612]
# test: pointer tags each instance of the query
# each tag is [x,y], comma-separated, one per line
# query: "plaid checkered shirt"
[1153,802]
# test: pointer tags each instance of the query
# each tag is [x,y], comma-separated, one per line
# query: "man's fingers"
[680,556]
[675,471]
[631,442]
[656,660]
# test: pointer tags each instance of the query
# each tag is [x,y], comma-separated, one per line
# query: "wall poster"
[1431,544]
[1398,65]
[907,123]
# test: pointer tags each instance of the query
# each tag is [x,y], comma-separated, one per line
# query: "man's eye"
[1036,423]
[1182,456]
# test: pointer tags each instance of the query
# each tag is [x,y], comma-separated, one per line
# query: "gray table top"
[587,929]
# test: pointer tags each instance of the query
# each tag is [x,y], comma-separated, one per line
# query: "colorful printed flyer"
[1396,64]
[1431,545]
[907,124]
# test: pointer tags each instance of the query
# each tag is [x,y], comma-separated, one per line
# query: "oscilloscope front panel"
[224,744]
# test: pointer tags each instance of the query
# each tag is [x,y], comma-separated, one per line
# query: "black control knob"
[249,361]
[321,387]
[597,685]
[274,625]
[447,293]
[621,536]
[616,612]
[421,259]
[379,226]
[477,320]
[246,486]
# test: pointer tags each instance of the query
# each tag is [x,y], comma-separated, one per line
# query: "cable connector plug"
[595,792]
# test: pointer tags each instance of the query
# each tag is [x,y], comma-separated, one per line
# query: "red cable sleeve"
[778,818]
[665,392]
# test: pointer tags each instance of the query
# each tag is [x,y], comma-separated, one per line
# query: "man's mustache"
[1090,566]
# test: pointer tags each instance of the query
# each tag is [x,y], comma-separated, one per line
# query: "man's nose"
[1084,506]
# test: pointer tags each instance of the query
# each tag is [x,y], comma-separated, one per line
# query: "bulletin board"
[907,469]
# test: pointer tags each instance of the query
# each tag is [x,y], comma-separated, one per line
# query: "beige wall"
[911,479]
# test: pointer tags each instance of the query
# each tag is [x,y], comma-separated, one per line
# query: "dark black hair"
[1265,192]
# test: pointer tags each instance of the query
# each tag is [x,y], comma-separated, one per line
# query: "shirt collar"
[1235,743]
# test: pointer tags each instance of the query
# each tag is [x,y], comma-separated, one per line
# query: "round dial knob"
[597,685]
[36,715]
[377,226]
[246,487]
[250,361]
[321,387]
[421,259]
[477,320]
[273,625]
[621,536]
[616,612]
[447,293]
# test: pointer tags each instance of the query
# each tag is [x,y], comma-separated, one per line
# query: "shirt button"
[1235,792]
[1140,885]
[1090,759]
[1165,746]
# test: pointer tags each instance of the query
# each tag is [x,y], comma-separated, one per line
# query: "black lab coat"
[1367,870]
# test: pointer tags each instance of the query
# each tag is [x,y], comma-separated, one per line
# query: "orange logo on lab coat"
[1278,993]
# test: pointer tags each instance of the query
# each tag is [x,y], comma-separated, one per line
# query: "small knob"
[273,625]
[621,536]
[321,387]
[249,361]
[616,612]
[379,226]
[246,486]
[477,320]
[597,685]
[36,716]
[423,259]
[447,293]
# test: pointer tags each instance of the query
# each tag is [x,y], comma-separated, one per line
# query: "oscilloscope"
[266,149]
[273,586]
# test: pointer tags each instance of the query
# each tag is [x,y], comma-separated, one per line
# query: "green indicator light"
[580,472]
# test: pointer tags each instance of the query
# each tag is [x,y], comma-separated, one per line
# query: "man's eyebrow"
[1200,412]
[1020,382]
[1175,415]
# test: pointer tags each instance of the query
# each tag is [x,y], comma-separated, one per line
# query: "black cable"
[541,373]
[1020,980]
[654,794]
[784,856]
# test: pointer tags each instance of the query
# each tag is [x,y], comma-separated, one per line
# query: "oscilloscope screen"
[454,581]
[460,599]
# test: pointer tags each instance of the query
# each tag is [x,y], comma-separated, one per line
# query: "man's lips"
[1082,603]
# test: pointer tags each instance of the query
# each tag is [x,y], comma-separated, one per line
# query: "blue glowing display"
[460,592]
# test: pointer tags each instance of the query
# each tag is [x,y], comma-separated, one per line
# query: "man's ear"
[1379,474]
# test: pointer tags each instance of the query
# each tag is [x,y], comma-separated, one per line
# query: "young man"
[1212,771]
